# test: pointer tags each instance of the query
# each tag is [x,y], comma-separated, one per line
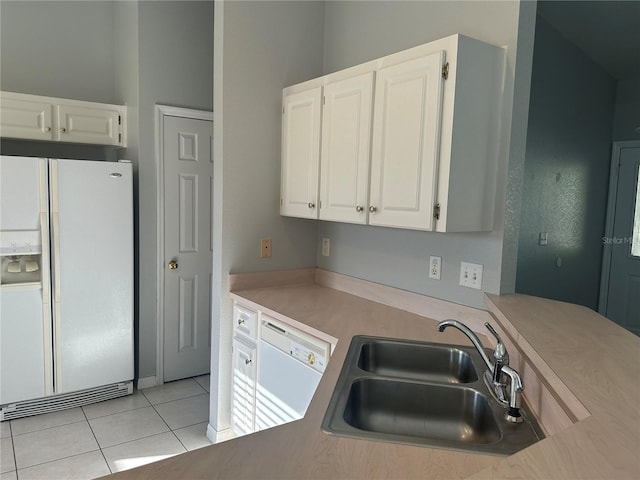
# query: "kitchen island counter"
[593,358]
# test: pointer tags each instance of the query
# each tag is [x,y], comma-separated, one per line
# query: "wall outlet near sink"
[434,267]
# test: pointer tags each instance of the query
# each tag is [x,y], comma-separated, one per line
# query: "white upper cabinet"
[89,124]
[406,130]
[29,119]
[33,117]
[429,134]
[346,134]
[301,123]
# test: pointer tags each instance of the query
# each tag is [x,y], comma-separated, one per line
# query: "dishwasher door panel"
[284,389]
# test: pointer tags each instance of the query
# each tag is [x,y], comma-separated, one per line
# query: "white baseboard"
[216,437]
[148,382]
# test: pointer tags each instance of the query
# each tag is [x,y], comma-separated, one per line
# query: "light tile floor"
[106,437]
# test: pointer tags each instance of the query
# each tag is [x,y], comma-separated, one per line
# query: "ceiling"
[607,31]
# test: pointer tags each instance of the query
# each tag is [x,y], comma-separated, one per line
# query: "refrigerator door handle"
[44,263]
[45,272]
[55,216]
[55,242]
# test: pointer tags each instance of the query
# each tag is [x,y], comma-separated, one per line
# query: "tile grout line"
[58,459]
[96,439]
[46,428]
[13,447]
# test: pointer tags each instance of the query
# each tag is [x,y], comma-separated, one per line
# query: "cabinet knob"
[373,209]
[240,321]
[359,208]
[47,129]
[312,205]
[247,361]
[63,130]
[172,265]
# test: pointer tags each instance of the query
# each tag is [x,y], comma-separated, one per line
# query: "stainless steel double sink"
[422,393]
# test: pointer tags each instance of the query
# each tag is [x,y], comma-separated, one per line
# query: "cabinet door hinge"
[436,211]
[119,138]
[281,202]
[445,71]
[119,119]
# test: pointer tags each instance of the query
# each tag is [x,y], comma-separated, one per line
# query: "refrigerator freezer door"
[22,345]
[25,314]
[92,238]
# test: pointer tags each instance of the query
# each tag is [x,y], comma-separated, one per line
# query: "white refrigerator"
[66,283]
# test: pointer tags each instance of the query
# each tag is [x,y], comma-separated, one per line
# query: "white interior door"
[623,298]
[188,246]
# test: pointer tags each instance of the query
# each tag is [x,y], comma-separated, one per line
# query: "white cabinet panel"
[408,104]
[89,125]
[27,119]
[346,133]
[244,387]
[245,321]
[301,153]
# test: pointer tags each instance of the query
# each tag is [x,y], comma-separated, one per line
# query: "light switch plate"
[326,247]
[471,275]
[543,239]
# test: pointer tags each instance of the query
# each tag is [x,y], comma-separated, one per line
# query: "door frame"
[608,229]
[163,111]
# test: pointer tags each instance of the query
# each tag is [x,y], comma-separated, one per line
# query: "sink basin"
[422,393]
[419,361]
[421,410]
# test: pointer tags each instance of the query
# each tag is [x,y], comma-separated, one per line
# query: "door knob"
[311,205]
[373,209]
[173,265]
[359,208]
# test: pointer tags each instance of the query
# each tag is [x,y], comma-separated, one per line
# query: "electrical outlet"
[434,267]
[265,248]
[471,275]
[326,247]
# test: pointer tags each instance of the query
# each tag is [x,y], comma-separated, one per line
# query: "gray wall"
[627,113]
[260,47]
[175,41]
[58,49]
[566,172]
[359,31]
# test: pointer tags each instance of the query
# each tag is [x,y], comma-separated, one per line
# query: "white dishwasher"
[290,365]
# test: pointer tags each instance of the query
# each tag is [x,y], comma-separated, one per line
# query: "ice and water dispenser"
[21,256]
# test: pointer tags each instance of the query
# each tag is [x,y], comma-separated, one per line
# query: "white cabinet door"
[406,131]
[98,125]
[300,153]
[346,133]
[244,387]
[26,119]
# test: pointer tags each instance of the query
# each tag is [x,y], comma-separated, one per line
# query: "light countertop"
[590,356]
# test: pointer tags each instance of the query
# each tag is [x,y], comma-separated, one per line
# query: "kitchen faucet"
[493,376]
